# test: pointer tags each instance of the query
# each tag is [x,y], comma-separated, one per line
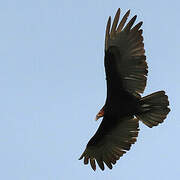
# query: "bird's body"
[126,74]
[119,102]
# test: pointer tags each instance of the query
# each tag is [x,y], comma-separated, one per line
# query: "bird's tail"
[154,109]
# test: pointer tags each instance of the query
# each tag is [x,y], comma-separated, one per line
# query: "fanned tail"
[154,109]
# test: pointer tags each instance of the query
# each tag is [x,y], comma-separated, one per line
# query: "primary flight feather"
[126,75]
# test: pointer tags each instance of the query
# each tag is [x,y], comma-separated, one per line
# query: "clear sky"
[52,84]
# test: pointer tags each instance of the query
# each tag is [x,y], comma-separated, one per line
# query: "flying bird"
[126,75]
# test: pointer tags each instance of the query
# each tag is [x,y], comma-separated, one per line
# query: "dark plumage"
[126,74]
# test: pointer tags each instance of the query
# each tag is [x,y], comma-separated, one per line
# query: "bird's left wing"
[124,47]
[113,144]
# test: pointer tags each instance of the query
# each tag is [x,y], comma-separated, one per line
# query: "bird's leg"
[100,113]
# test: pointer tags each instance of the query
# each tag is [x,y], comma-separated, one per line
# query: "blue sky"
[52,84]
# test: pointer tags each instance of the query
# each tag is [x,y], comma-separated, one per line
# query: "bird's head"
[100,114]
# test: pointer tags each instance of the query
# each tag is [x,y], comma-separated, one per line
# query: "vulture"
[126,74]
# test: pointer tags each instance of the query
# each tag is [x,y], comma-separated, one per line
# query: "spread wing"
[109,147]
[125,44]
[125,65]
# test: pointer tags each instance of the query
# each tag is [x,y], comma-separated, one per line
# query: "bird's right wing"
[124,46]
[110,146]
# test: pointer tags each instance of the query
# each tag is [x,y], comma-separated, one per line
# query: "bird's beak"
[97,117]
[100,114]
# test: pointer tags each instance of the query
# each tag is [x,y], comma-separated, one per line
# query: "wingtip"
[102,169]
[109,20]
[80,157]
[128,13]
[107,31]
[141,22]
[93,164]
[134,18]
[118,11]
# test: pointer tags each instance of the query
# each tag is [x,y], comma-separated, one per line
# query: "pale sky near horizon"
[52,84]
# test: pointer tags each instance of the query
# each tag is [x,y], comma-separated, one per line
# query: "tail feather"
[154,109]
